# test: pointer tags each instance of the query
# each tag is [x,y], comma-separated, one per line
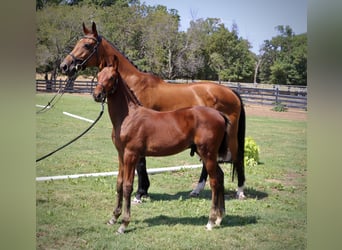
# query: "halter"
[115,86]
[82,62]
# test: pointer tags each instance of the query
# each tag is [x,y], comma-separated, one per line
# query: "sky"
[256,19]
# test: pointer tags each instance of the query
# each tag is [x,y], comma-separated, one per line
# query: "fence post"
[276,94]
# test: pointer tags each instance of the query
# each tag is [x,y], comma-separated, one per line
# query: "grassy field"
[71,214]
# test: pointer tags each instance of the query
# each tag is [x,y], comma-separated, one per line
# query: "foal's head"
[107,80]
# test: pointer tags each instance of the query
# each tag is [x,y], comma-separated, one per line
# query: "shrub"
[251,152]
[279,107]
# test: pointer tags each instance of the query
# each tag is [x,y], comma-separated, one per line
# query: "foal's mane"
[129,90]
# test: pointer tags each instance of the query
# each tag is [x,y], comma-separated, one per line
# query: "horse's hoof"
[193,194]
[240,196]
[136,201]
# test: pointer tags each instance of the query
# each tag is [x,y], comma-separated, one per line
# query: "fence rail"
[261,94]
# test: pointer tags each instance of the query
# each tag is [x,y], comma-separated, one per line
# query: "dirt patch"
[266,111]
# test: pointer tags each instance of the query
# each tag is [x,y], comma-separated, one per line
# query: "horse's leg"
[238,161]
[143,181]
[216,178]
[130,162]
[201,183]
[119,195]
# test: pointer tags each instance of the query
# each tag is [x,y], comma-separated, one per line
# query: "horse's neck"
[121,103]
[135,79]
[125,66]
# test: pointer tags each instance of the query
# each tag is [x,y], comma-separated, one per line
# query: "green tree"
[237,62]
[160,39]
[284,58]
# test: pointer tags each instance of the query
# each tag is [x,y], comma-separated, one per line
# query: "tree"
[191,58]
[160,36]
[237,63]
[284,58]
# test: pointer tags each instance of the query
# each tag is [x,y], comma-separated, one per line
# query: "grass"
[71,214]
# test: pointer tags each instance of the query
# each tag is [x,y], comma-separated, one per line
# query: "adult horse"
[139,132]
[95,51]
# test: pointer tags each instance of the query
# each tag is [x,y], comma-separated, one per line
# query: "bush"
[251,152]
[279,107]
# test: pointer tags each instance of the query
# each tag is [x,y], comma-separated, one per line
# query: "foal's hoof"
[121,230]
[111,222]
[209,226]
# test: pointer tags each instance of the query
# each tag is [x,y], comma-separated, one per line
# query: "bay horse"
[138,132]
[94,50]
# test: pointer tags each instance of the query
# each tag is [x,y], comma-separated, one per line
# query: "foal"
[139,132]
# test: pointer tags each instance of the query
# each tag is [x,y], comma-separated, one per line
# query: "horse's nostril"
[64,67]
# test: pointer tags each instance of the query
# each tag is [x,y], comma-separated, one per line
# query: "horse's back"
[210,94]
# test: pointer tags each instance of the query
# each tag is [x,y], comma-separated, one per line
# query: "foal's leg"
[201,182]
[130,162]
[143,181]
[119,195]
[216,178]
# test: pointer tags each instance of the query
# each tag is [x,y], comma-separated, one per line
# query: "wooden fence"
[261,94]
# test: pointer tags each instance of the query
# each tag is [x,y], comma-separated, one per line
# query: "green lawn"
[71,214]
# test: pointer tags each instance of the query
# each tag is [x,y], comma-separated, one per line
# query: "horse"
[94,50]
[139,132]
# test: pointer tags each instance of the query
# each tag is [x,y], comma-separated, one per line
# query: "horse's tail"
[241,138]
[223,149]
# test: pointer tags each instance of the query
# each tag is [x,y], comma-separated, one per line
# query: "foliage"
[149,36]
[284,58]
[279,107]
[251,152]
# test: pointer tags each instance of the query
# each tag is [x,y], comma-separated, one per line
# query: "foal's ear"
[115,62]
[93,28]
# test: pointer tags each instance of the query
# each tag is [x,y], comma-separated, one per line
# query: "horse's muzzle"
[69,70]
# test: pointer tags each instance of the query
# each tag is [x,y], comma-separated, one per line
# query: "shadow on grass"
[250,193]
[228,220]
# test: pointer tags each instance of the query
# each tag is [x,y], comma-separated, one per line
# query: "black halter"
[79,63]
[115,86]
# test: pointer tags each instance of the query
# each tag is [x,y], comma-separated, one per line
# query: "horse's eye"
[87,46]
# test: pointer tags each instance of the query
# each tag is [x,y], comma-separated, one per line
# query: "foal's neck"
[121,103]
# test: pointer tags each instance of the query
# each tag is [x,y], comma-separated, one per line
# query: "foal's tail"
[223,149]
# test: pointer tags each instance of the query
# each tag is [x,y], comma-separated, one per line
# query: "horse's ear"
[85,30]
[93,28]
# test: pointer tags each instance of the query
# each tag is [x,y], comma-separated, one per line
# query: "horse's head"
[107,80]
[84,53]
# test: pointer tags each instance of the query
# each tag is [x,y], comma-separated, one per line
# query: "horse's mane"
[123,54]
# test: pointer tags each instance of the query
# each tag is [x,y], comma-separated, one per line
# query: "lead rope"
[76,138]
[50,105]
